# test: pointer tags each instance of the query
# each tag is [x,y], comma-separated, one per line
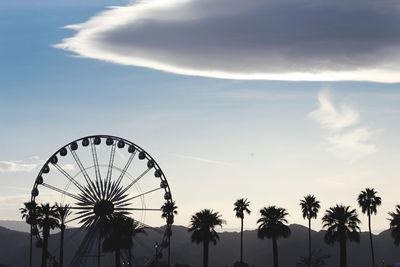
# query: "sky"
[268,100]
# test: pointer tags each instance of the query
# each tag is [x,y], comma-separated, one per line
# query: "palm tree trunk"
[343,253]
[46,233]
[61,257]
[205,253]
[169,250]
[370,240]
[275,251]
[309,242]
[30,249]
[130,257]
[98,249]
[117,258]
[241,242]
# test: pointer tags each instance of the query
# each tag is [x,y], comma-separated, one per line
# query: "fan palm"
[29,214]
[169,210]
[203,224]
[47,220]
[116,236]
[241,207]
[309,207]
[273,225]
[395,225]
[132,228]
[342,226]
[368,202]
[62,212]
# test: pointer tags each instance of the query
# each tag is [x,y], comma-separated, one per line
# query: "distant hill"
[258,253]
[15,225]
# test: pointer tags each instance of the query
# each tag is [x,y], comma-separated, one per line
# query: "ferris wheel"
[98,177]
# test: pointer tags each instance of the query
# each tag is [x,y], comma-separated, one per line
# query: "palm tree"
[273,225]
[29,214]
[309,207]
[203,224]
[395,225]
[47,220]
[169,210]
[62,212]
[132,229]
[241,207]
[368,202]
[116,236]
[342,226]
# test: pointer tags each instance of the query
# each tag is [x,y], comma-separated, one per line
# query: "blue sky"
[216,139]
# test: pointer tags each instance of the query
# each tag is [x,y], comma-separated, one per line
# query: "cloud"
[258,39]
[17,166]
[331,117]
[346,136]
[29,165]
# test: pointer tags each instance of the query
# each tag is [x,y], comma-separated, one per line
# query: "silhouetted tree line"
[341,223]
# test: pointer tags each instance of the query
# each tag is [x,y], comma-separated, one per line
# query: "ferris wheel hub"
[103,208]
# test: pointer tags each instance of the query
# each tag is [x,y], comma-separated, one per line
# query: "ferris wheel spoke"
[121,176]
[84,172]
[71,179]
[145,209]
[95,160]
[135,181]
[109,171]
[145,193]
[62,191]
[83,216]
[81,208]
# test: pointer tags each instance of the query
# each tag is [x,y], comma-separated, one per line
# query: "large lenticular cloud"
[257,39]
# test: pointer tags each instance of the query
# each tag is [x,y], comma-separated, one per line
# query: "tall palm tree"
[169,210]
[47,220]
[62,212]
[273,225]
[29,214]
[203,224]
[368,202]
[241,207]
[342,226]
[116,236]
[395,225]
[132,229]
[309,207]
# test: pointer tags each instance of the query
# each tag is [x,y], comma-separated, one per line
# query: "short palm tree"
[203,224]
[62,212]
[29,214]
[395,225]
[241,207]
[368,202]
[342,226]
[169,210]
[309,207]
[273,225]
[47,220]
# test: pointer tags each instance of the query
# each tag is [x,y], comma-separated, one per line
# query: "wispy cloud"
[29,165]
[345,134]
[18,166]
[258,39]
[332,117]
